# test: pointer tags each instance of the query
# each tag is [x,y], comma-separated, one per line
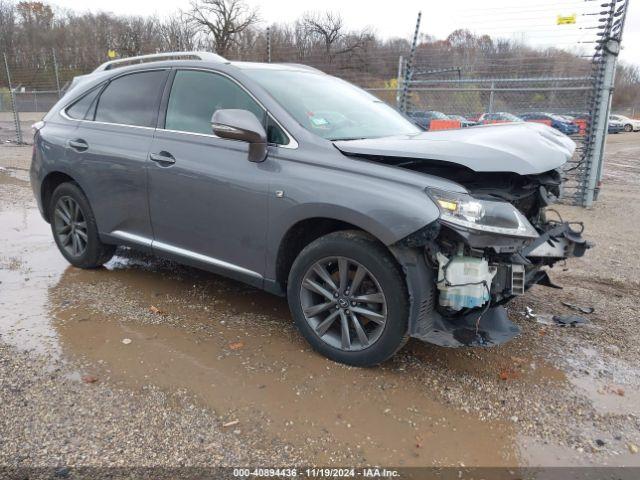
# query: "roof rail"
[156,57]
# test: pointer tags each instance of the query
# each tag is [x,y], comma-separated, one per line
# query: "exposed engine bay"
[490,243]
[477,272]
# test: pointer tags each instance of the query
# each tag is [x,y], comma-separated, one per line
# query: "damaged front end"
[487,247]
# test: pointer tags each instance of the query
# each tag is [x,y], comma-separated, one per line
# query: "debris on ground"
[231,423]
[632,448]
[89,379]
[570,320]
[236,345]
[562,320]
[544,319]
[126,341]
[579,308]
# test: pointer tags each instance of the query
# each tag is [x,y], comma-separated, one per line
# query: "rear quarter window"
[84,107]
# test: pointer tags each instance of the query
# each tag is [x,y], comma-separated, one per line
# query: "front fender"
[383,222]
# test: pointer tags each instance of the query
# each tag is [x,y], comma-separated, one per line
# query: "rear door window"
[132,99]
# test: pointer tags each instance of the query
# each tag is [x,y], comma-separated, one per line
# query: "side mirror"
[241,125]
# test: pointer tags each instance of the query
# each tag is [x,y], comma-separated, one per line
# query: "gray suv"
[302,184]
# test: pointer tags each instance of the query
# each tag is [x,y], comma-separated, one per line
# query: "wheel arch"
[301,234]
[50,182]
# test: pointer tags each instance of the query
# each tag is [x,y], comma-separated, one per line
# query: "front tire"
[349,299]
[74,228]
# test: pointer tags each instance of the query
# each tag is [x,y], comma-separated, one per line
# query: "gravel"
[48,417]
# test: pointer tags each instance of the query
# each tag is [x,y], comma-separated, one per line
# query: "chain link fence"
[470,78]
[564,79]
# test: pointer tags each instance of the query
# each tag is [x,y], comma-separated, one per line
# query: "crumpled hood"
[523,148]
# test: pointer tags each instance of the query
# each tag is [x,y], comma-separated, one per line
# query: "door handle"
[78,145]
[164,159]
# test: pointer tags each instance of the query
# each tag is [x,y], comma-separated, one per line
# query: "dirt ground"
[146,362]
[8,128]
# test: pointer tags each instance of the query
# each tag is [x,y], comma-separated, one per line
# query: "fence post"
[55,70]
[14,107]
[408,72]
[269,44]
[399,81]
[493,86]
[609,46]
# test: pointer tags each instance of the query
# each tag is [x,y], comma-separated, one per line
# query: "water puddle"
[251,366]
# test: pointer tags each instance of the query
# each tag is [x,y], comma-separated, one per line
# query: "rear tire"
[628,128]
[74,228]
[361,327]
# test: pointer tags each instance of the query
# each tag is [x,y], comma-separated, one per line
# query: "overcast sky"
[533,21]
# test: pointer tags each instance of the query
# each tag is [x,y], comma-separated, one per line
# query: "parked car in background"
[615,126]
[423,118]
[578,116]
[498,117]
[629,124]
[464,122]
[566,126]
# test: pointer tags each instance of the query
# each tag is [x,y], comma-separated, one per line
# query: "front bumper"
[490,324]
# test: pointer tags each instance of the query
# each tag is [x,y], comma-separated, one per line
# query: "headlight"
[490,216]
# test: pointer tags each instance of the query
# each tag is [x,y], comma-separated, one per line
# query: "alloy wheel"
[343,303]
[70,226]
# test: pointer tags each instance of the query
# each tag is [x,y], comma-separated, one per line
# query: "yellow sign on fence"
[566,20]
[112,54]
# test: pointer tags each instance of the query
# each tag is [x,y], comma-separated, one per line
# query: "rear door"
[110,147]
[208,203]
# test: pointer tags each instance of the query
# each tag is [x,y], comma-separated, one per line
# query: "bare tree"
[8,25]
[222,19]
[177,35]
[325,27]
[30,28]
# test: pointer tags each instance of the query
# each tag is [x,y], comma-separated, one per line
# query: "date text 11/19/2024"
[312,472]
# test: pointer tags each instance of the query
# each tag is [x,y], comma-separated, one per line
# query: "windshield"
[330,107]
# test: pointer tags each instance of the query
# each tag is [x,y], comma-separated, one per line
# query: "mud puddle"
[260,377]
